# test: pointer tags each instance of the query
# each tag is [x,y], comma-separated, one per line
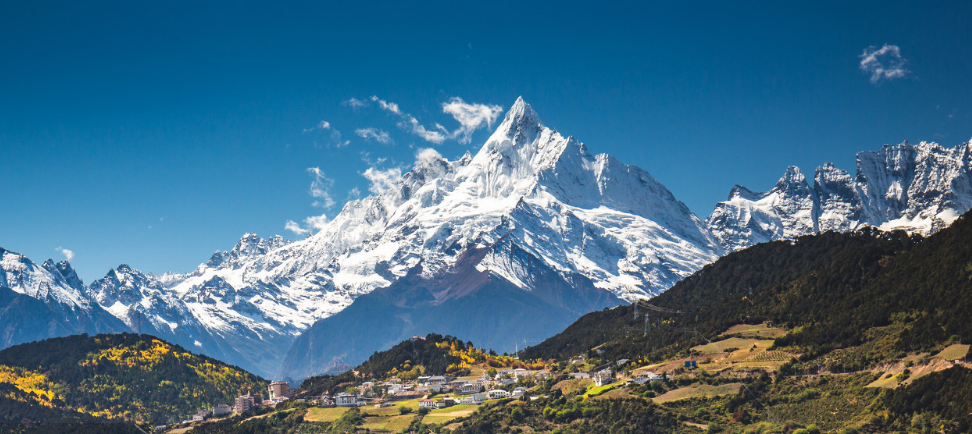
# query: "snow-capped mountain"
[37,302]
[920,189]
[530,203]
[511,243]
[529,190]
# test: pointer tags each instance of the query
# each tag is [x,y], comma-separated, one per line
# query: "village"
[431,392]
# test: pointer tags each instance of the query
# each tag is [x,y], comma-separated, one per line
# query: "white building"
[395,388]
[646,377]
[427,403]
[497,394]
[346,400]
[518,392]
[474,399]
[520,373]
[603,377]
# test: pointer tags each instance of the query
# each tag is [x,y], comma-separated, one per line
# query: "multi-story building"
[278,389]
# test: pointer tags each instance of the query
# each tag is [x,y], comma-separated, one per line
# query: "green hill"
[113,377]
[831,288]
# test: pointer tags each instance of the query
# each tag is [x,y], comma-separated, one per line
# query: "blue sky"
[156,133]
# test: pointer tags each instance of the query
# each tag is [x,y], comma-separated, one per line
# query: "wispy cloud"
[320,188]
[335,135]
[387,106]
[471,117]
[374,134]
[355,103]
[409,123]
[311,225]
[68,254]
[295,227]
[322,125]
[883,63]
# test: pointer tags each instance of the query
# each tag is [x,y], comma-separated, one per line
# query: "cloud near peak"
[68,254]
[320,188]
[471,117]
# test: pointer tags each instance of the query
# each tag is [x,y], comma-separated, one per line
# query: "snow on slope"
[583,214]
[919,188]
[37,302]
[45,283]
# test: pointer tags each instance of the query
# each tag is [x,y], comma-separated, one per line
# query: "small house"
[497,394]
[474,399]
[222,410]
[603,377]
[346,400]
[444,402]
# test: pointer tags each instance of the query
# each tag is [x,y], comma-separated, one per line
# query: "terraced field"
[742,353]
[702,390]
[732,344]
[770,356]
[755,331]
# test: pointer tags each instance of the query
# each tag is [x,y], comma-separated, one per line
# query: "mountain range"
[504,247]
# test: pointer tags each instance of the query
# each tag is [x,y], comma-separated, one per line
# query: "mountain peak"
[743,192]
[521,115]
[792,178]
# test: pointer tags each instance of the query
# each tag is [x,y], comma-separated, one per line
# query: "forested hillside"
[831,288]
[120,377]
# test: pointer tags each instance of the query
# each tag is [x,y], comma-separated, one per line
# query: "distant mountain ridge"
[532,228]
[919,188]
